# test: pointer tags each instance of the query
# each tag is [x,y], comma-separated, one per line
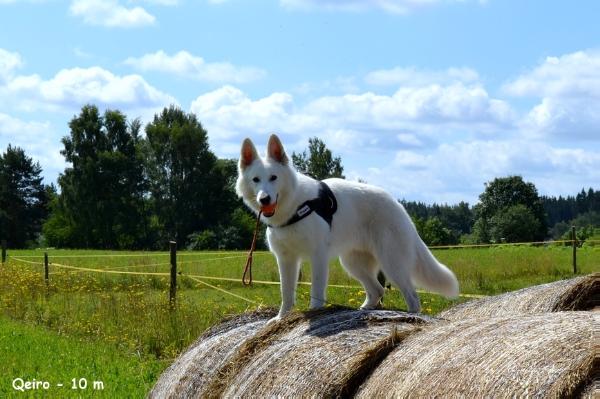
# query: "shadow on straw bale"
[592,390]
[325,353]
[191,373]
[548,355]
[580,293]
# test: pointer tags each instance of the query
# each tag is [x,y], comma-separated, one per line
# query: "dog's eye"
[256,180]
[272,178]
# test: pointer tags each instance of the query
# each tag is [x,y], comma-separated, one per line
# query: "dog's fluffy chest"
[302,238]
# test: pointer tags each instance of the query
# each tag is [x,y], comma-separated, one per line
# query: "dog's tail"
[432,275]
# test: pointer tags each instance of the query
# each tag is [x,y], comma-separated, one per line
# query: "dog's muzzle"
[268,208]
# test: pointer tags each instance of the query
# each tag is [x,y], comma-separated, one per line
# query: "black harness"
[325,205]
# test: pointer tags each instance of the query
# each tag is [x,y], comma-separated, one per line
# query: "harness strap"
[325,205]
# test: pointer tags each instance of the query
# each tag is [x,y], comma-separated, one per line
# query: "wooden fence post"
[574,243]
[46,266]
[173,290]
[3,251]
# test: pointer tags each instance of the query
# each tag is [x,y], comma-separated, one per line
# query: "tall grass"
[131,312]
[491,271]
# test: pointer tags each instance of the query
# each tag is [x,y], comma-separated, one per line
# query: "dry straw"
[319,353]
[580,293]
[547,355]
[191,373]
[487,348]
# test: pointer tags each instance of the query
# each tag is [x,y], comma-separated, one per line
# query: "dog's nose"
[265,200]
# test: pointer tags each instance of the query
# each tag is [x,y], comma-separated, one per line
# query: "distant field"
[130,313]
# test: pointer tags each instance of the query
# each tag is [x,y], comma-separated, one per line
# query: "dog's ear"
[275,150]
[248,154]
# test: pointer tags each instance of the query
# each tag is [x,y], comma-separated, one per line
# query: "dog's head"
[265,183]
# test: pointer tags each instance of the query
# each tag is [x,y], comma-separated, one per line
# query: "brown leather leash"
[248,268]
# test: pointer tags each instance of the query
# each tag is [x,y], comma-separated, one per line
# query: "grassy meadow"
[30,352]
[119,328]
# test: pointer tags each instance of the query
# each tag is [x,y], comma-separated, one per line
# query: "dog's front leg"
[289,266]
[320,274]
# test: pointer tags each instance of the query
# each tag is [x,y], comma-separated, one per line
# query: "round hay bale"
[318,354]
[192,372]
[547,355]
[580,293]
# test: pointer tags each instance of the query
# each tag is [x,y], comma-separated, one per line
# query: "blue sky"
[429,99]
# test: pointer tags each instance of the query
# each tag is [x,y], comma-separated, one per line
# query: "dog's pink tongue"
[268,209]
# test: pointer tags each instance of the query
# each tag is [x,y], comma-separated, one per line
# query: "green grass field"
[119,328]
[36,354]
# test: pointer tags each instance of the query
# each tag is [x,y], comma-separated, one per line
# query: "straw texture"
[534,342]
[319,354]
[547,355]
[191,373]
[580,293]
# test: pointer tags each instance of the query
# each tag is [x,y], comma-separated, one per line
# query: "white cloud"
[78,85]
[390,6]
[9,62]
[228,112]
[411,117]
[456,171]
[69,89]
[66,92]
[411,142]
[570,119]
[571,75]
[190,66]
[411,76]
[368,132]
[110,13]
[11,127]
[569,88]
[427,107]
[37,139]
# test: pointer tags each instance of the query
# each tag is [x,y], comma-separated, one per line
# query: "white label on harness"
[303,211]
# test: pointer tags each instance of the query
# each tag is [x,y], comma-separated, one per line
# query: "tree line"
[509,210]
[128,190]
[124,189]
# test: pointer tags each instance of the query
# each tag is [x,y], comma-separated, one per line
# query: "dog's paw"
[371,306]
[274,320]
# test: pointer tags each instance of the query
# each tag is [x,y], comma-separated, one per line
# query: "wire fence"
[224,255]
[507,244]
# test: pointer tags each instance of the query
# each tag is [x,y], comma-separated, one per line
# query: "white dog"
[316,221]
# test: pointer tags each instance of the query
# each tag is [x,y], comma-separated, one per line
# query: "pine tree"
[23,198]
